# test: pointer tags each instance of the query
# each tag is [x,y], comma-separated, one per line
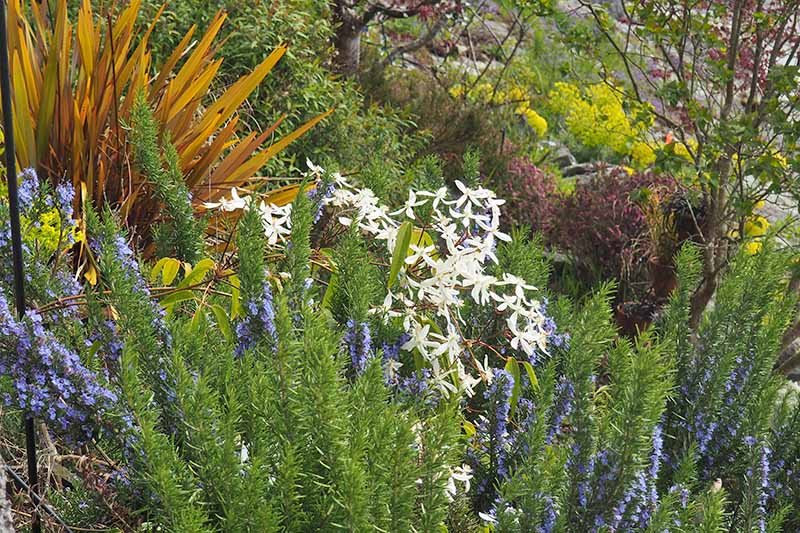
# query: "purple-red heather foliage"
[600,224]
[530,196]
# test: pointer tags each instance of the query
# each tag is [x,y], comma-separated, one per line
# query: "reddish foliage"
[529,194]
[599,224]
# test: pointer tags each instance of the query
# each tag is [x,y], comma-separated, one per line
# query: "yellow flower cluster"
[534,120]
[773,163]
[755,228]
[46,233]
[642,155]
[486,93]
[685,150]
[596,117]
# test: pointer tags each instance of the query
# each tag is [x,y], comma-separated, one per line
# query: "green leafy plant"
[76,88]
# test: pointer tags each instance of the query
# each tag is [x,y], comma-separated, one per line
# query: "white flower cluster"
[275,219]
[436,280]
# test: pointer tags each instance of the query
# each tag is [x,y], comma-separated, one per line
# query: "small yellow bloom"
[456,91]
[516,94]
[780,159]
[756,226]
[752,247]
[642,155]
[536,121]
[682,149]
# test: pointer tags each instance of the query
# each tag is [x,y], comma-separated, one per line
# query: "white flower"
[408,207]
[390,369]
[487,518]
[467,381]
[419,339]
[276,221]
[451,346]
[439,196]
[472,196]
[441,381]
[468,228]
[462,474]
[235,203]
[481,286]
[508,302]
[314,169]
[520,285]
[423,253]
[519,337]
[485,370]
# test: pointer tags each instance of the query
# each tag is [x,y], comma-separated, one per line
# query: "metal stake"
[16,245]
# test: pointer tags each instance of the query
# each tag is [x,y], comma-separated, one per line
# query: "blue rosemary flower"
[29,190]
[65,195]
[549,516]
[564,398]
[358,339]
[319,197]
[490,448]
[258,322]
[49,381]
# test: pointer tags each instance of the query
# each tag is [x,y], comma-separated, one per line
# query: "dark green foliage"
[471,166]
[250,243]
[139,322]
[541,471]
[300,87]
[299,253]
[182,235]
[356,282]
[437,437]
[524,257]
[159,467]
[712,517]
[275,439]
[727,388]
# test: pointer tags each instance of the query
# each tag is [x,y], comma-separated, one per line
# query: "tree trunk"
[6,523]
[347,39]
[789,358]
[715,252]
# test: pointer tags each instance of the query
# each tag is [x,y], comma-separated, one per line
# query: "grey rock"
[563,157]
[6,522]
[490,31]
[578,169]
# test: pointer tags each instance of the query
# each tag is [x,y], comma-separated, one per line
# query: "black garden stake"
[16,245]
[32,487]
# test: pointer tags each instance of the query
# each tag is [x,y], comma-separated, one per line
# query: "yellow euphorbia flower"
[46,232]
[536,121]
[642,155]
[752,247]
[456,91]
[517,94]
[597,117]
[756,226]
[682,149]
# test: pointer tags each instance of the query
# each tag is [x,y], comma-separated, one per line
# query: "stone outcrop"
[6,522]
